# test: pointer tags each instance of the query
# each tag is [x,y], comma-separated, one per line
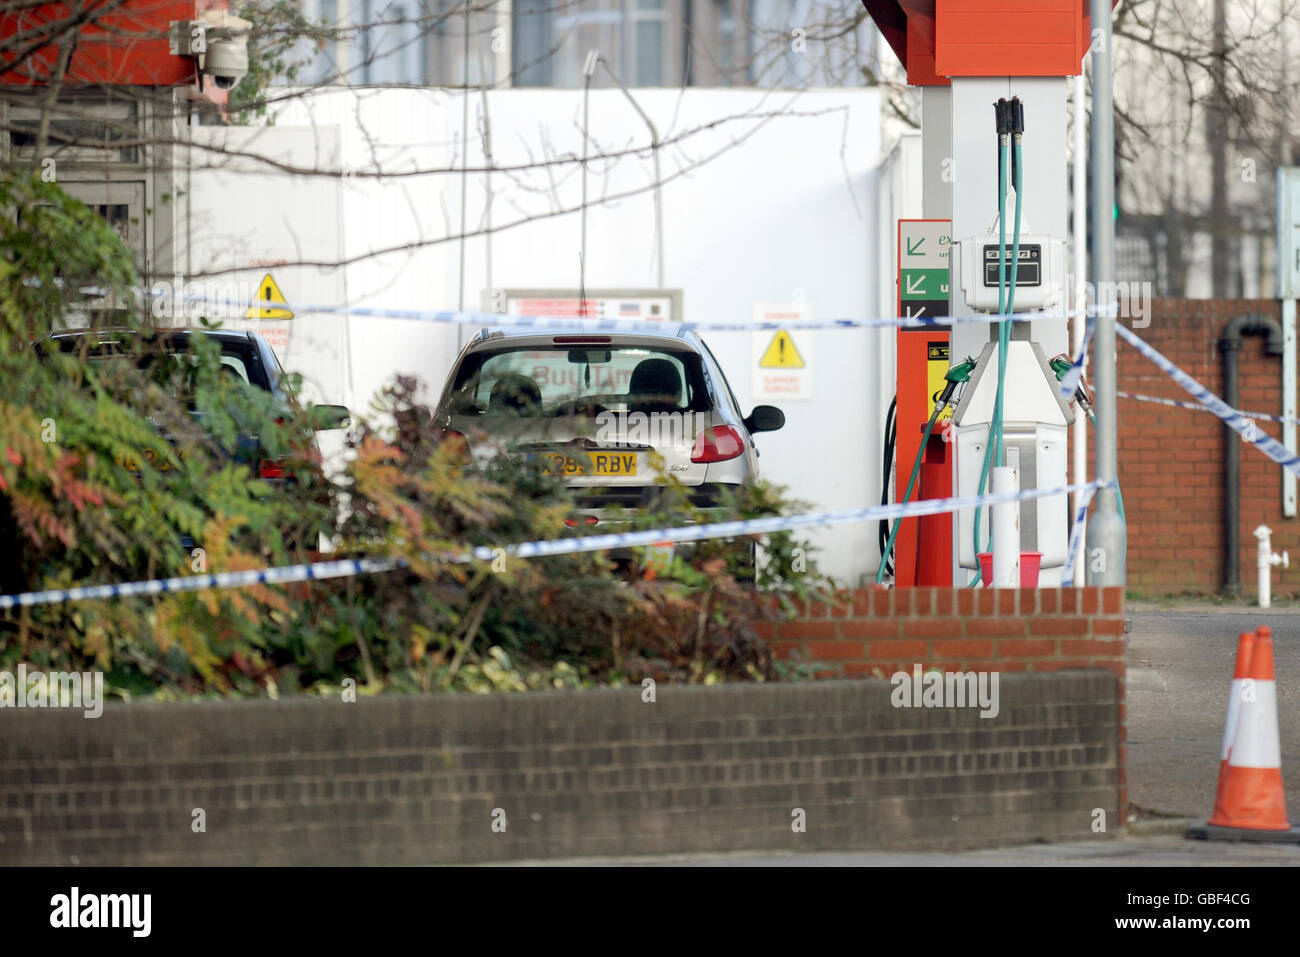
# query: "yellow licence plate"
[589,463]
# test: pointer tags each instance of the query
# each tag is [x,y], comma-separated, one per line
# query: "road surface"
[1180,663]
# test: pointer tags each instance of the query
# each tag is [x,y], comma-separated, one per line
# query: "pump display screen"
[1029,272]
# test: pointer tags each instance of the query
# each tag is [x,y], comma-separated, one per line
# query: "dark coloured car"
[248,362]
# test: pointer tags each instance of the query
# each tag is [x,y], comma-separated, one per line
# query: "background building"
[545,42]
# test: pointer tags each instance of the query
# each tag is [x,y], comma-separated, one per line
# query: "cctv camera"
[226,62]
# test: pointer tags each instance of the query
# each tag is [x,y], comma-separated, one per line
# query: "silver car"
[611,412]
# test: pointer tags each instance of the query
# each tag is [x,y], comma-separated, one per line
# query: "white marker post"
[1006,529]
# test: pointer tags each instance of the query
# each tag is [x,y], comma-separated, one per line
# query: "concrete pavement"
[1180,662]
[1159,850]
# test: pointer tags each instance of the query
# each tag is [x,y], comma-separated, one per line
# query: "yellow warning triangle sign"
[781,353]
[270,302]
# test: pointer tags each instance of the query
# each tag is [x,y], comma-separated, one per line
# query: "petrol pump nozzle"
[962,371]
[1082,394]
[955,376]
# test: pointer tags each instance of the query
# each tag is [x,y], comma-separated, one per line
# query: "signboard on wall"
[923,250]
[653,305]
[783,358]
[642,304]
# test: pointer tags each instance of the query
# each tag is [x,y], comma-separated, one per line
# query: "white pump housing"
[1035,437]
[1040,277]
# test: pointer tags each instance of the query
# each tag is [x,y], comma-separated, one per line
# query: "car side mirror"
[326,417]
[765,418]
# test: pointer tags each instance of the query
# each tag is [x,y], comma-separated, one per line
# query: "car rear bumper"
[610,499]
[622,510]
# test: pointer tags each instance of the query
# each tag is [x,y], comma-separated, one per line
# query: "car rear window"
[552,381]
[236,357]
[234,366]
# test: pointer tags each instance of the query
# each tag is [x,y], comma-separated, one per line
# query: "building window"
[649,41]
[726,25]
[325,64]
[551,41]
[530,58]
[447,30]
[88,132]
[392,45]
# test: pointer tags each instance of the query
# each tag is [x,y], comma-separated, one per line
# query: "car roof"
[543,335]
[226,334]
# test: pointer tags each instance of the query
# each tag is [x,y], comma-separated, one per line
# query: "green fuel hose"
[911,484]
[1006,306]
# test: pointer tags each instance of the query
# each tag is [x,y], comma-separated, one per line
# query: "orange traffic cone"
[1240,675]
[1251,803]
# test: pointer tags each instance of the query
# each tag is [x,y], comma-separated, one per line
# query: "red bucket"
[1029,562]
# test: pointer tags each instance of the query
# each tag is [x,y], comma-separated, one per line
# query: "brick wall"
[881,631]
[878,631]
[1171,460]
[415,780]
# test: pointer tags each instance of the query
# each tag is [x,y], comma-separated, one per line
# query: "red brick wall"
[875,632]
[1171,460]
[878,631]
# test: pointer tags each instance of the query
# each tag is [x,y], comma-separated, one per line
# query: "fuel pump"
[1011,413]
[954,377]
[923,365]
[961,55]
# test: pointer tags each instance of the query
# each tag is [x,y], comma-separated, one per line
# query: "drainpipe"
[1230,345]
[1265,559]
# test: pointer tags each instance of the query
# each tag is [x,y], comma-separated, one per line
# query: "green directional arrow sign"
[924,248]
[923,284]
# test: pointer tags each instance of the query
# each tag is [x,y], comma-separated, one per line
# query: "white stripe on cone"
[1234,714]
[1256,743]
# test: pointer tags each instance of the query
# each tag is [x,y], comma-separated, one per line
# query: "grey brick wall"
[414,780]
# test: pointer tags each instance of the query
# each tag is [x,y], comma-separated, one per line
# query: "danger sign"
[782,358]
[269,303]
[782,353]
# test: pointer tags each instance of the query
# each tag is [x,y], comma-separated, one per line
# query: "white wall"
[248,218]
[768,196]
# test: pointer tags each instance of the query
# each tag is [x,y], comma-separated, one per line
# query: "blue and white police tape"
[1076,533]
[597,324]
[1233,419]
[281,575]
[288,574]
[1070,381]
[1179,404]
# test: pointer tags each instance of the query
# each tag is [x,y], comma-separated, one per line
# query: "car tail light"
[587,520]
[271,469]
[457,441]
[581,340]
[717,444]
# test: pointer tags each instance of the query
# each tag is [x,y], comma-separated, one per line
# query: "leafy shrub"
[75,514]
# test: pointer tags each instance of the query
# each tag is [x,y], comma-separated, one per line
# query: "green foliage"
[131,462]
[106,468]
[52,248]
[278,28]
